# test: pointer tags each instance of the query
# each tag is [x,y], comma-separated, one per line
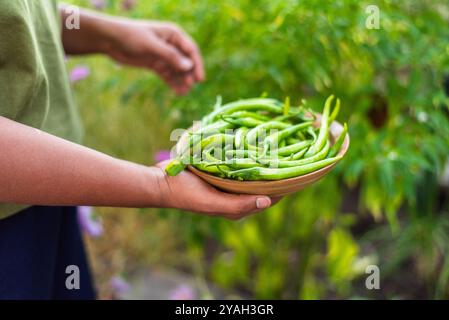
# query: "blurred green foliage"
[316,243]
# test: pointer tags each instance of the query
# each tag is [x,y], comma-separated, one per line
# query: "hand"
[189,192]
[159,46]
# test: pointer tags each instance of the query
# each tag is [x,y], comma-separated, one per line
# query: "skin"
[162,47]
[57,172]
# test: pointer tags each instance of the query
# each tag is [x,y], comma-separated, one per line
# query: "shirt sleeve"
[19,74]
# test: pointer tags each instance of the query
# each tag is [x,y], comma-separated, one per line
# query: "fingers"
[179,53]
[180,83]
[235,207]
[174,57]
[189,80]
[186,44]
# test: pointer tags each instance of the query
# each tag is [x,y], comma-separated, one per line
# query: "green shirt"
[34,86]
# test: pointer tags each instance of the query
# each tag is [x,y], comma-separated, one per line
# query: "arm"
[40,169]
[158,46]
[91,38]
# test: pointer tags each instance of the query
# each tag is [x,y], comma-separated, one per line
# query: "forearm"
[40,169]
[93,36]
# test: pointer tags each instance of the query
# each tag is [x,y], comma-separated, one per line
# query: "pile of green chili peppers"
[261,139]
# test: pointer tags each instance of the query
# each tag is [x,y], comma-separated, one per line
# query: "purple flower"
[128,4]
[79,73]
[183,292]
[162,155]
[98,4]
[119,286]
[88,223]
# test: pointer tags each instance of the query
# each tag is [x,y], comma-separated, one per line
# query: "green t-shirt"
[34,86]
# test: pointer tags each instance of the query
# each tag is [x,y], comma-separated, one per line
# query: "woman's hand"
[161,47]
[187,191]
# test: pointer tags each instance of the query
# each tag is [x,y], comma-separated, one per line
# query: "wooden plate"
[278,187]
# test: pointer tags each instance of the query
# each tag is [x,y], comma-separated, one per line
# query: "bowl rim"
[338,128]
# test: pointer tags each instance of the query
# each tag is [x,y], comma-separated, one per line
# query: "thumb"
[238,206]
[173,56]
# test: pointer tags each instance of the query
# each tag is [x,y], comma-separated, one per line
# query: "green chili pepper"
[216,140]
[288,150]
[311,131]
[216,127]
[249,114]
[239,140]
[241,154]
[295,116]
[265,104]
[299,136]
[208,157]
[287,106]
[335,112]
[324,129]
[261,173]
[293,163]
[293,140]
[262,128]
[298,155]
[237,163]
[281,144]
[273,139]
[174,167]
[218,170]
[218,102]
[339,142]
[205,131]
[242,122]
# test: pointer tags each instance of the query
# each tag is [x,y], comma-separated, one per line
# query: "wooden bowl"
[278,187]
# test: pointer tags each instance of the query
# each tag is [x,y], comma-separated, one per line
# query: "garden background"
[387,202]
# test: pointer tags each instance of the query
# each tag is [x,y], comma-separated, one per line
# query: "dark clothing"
[36,246]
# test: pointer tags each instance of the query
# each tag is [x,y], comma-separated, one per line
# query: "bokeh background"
[386,204]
